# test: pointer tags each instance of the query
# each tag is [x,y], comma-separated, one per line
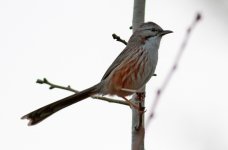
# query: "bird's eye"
[153,29]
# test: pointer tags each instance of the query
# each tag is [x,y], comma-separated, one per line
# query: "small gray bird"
[129,72]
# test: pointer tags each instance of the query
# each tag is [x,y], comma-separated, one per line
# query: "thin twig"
[68,88]
[172,70]
[52,86]
[117,38]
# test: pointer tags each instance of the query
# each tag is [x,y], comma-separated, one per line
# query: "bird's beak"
[164,32]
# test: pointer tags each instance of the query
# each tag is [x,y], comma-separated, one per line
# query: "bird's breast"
[132,73]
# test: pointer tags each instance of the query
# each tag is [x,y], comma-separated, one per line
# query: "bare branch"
[68,88]
[52,86]
[173,69]
[110,100]
[137,128]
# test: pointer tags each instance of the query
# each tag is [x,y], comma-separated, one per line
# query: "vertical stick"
[138,130]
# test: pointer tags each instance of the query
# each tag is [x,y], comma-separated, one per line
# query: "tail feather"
[46,111]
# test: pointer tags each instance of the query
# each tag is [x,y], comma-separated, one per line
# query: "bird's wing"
[123,55]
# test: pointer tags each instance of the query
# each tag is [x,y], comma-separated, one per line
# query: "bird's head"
[151,29]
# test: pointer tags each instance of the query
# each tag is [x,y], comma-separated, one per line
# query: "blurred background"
[70,43]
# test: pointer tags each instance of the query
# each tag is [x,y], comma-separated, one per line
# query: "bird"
[128,73]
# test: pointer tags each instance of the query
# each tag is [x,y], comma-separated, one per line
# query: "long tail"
[46,111]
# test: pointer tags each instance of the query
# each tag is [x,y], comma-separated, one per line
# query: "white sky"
[69,42]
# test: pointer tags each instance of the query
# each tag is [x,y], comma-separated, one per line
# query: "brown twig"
[172,70]
[68,88]
[117,38]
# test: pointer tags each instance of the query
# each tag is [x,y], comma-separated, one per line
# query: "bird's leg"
[128,90]
[131,104]
[141,98]
[138,108]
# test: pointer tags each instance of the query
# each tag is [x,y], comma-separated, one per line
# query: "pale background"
[69,42]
